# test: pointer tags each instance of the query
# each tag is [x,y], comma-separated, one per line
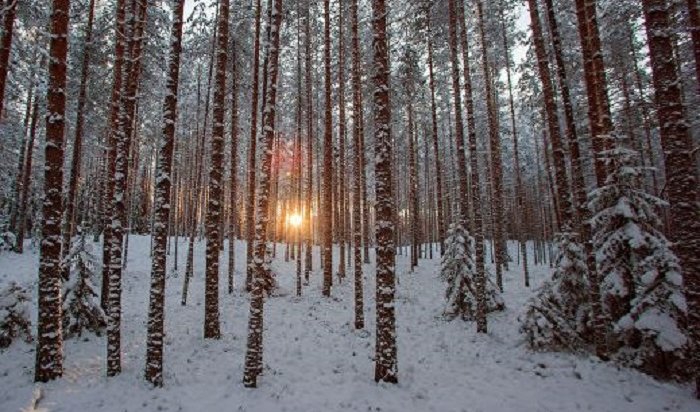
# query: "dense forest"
[519,175]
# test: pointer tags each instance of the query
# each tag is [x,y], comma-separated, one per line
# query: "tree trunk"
[681,171]
[357,178]
[49,349]
[386,368]
[327,189]
[213,218]
[6,48]
[156,311]
[254,352]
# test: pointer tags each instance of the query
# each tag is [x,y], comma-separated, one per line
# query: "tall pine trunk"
[49,348]
[681,171]
[386,368]
[156,311]
[327,189]
[254,351]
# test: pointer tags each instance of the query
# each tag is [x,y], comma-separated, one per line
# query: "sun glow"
[294,220]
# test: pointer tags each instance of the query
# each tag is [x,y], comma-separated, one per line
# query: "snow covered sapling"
[81,305]
[641,284]
[458,270]
[557,316]
[14,315]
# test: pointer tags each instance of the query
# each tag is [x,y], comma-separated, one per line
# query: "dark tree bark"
[76,159]
[681,171]
[250,205]
[214,215]
[327,189]
[357,178]
[49,349]
[386,368]
[254,352]
[6,48]
[156,311]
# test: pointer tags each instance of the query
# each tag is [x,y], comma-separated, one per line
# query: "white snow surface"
[314,358]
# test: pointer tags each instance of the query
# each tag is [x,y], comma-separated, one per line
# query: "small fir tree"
[641,287]
[14,315]
[557,317]
[81,304]
[458,270]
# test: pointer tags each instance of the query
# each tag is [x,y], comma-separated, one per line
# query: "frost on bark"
[254,350]
[156,310]
[327,189]
[49,349]
[681,171]
[76,159]
[357,161]
[215,200]
[495,146]
[386,368]
[6,47]
[434,132]
[477,228]
[250,205]
[127,112]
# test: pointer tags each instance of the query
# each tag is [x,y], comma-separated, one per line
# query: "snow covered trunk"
[342,132]
[386,368]
[694,17]
[310,139]
[254,351]
[132,70]
[521,209]
[477,223]
[357,161]
[413,185]
[26,178]
[9,15]
[119,50]
[215,199]
[435,135]
[495,146]
[76,159]
[681,171]
[459,124]
[49,349]
[250,204]
[156,310]
[233,173]
[327,189]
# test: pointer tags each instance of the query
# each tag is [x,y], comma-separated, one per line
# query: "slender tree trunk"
[132,69]
[386,368]
[254,353]
[6,48]
[76,159]
[308,266]
[213,218]
[435,136]
[681,171]
[342,192]
[156,311]
[327,189]
[110,169]
[357,178]
[457,10]
[233,174]
[49,349]
[250,205]
[694,18]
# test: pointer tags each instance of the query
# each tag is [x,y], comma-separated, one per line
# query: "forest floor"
[314,358]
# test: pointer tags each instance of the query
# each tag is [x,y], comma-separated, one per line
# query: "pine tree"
[458,270]
[254,350]
[558,315]
[6,47]
[386,368]
[642,287]
[49,356]
[358,163]
[14,315]
[214,205]
[156,312]
[327,189]
[81,305]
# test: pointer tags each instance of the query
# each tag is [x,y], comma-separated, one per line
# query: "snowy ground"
[316,361]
